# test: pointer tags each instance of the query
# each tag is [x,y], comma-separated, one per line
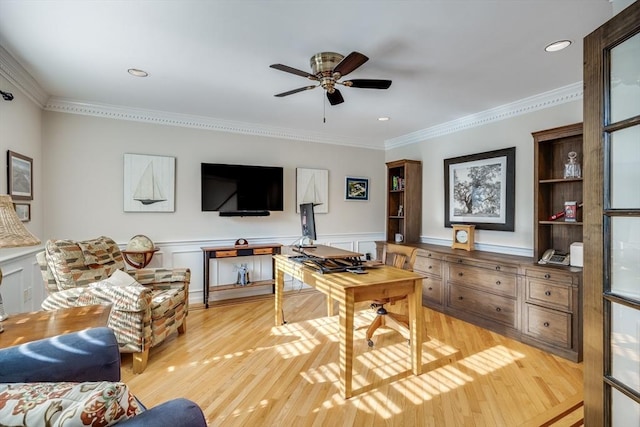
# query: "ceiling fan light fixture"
[557,45]
[137,72]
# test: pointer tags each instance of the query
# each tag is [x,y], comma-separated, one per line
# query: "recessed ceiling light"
[137,73]
[556,46]
[383,119]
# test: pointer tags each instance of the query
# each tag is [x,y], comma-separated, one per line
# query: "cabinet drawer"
[549,294]
[497,308]
[226,254]
[501,283]
[263,251]
[432,289]
[428,254]
[548,325]
[428,265]
[498,267]
[552,274]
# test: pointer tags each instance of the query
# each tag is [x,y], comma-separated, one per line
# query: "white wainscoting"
[23,289]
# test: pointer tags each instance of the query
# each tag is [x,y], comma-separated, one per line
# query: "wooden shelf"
[551,190]
[559,180]
[409,172]
[560,222]
[236,286]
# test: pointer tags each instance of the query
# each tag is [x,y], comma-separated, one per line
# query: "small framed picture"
[19,176]
[24,211]
[356,188]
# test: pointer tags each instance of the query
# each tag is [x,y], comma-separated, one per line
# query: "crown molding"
[572,92]
[63,105]
[20,78]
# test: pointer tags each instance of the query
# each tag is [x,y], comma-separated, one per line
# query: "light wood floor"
[243,371]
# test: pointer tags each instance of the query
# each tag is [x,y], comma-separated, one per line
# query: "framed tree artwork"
[480,190]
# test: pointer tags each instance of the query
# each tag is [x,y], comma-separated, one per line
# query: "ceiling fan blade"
[350,63]
[292,70]
[335,97]
[291,92]
[369,83]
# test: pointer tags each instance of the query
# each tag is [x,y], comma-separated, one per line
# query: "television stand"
[233,252]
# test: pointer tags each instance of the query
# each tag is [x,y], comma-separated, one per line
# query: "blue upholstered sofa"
[89,357]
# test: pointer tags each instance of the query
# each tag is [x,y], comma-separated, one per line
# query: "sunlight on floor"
[388,363]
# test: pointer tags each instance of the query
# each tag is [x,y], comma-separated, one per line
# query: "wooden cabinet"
[485,293]
[551,189]
[508,294]
[551,311]
[404,200]
[429,264]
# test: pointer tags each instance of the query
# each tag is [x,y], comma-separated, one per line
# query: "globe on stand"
[139,251]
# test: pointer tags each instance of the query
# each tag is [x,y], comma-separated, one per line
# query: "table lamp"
[13,234]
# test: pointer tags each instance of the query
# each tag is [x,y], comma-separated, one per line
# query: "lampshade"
[13,233]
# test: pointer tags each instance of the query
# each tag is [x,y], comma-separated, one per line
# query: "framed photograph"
[356,188]
[480,190]
[149,183]
[24,211]
[19,176]
[312,186]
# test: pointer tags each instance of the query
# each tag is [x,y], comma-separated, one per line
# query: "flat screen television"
[241,190]
[307,225]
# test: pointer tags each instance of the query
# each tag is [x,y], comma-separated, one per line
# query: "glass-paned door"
[621,227]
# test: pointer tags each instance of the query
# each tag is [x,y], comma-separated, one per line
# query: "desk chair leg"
[381,313]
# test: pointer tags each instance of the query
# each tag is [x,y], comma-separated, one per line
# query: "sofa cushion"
[96,404]
[73,267]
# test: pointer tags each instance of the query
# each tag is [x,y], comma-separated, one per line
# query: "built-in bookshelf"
[404,200]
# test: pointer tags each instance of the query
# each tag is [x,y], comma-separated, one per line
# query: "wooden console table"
[348,289]
[233,252]
[26,327]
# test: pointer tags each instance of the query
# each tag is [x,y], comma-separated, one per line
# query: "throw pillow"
[66,404]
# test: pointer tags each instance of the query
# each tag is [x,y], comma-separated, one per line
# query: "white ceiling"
[210,59]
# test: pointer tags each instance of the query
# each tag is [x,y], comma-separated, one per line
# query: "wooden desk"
[232,252]
[27,327]
[349,288]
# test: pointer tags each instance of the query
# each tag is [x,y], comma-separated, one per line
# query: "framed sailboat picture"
[149,183]
[312,186]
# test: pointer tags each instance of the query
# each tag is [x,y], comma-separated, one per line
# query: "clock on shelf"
[463,236]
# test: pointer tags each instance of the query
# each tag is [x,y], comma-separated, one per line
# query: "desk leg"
[416,326]
[279,287]
[346,345]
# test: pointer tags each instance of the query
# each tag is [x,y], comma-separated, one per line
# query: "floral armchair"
[147,305]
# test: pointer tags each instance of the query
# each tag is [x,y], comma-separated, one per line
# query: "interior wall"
[512,132]
[20,127]
[83,172]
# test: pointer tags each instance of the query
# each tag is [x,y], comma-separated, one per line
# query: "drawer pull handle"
[548,293]
[429,255]
[497,268]
[547,276]
[461,274]
[460,298]
[430,288]
[460,261]
[498,309]
[498,282]
[430,267]
[546,324]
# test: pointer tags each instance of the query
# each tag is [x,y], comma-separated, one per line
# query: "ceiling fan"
[327,69]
